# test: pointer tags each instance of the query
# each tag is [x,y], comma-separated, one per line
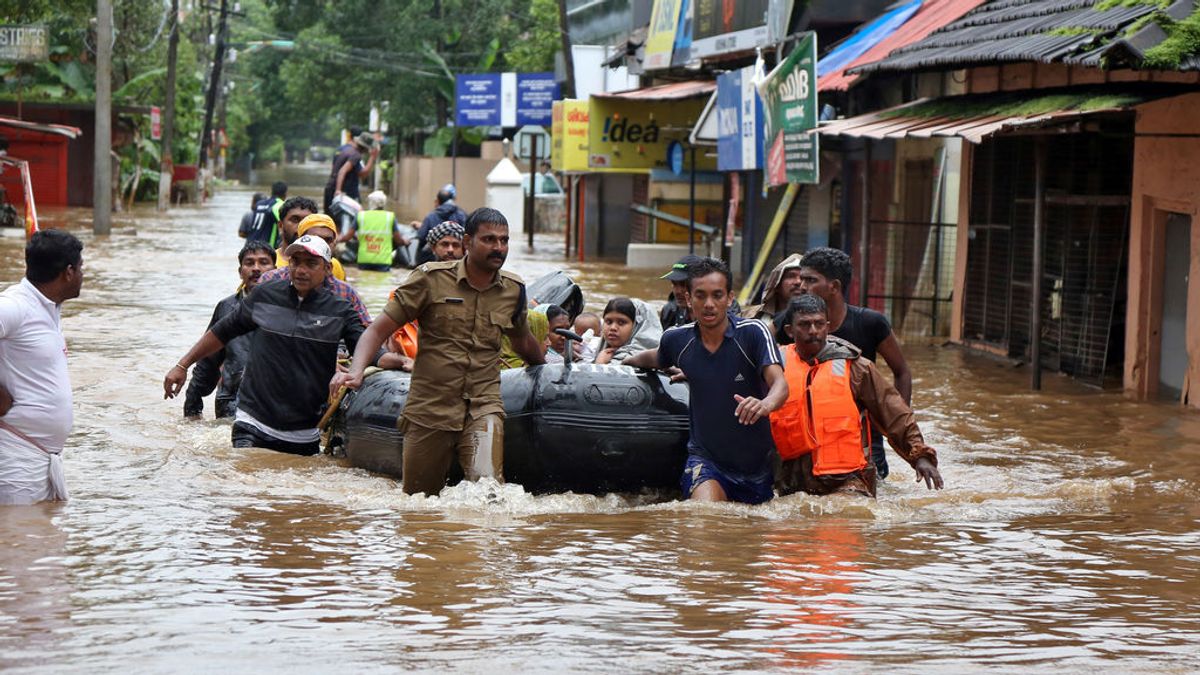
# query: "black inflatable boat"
[581,428]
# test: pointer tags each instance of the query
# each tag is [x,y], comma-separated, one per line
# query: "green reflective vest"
[375,237]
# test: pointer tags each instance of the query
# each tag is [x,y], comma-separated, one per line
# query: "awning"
[56,129]
[676,91]
[975,118]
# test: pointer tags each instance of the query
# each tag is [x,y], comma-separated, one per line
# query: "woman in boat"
[538,325]
[556,317]
[629,326]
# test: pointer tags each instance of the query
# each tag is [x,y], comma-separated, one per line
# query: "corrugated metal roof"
[676,91]
[1001,31]
[975,118]
[56,129]
[932,15]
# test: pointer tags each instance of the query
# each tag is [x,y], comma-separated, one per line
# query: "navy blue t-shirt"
[740,451]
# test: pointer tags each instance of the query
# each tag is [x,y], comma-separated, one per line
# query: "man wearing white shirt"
[35,390]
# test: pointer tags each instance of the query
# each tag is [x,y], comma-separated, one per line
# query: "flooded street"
[1068,534]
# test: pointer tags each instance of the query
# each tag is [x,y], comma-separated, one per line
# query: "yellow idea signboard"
[634,134]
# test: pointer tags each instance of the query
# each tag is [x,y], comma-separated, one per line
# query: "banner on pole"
[789,96]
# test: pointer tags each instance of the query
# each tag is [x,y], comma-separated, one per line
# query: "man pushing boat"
[463,307]
[822,431]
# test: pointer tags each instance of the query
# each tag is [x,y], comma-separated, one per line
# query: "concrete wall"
[1166,178]
[418,180]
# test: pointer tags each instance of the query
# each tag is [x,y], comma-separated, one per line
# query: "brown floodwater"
[1068,535]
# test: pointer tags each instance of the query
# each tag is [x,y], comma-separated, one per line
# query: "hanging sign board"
[789,96]
[739,122]
[660,41]
[722,27]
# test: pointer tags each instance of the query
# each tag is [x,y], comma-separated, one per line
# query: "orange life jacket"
[820,417]
[404,340]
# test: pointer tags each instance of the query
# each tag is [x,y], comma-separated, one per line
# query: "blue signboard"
[477,99]
[739,122]
[536,93]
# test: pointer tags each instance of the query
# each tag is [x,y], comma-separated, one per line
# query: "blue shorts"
[699,469]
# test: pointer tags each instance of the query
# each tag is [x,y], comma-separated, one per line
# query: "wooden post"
[102,196]
[692,205]
[166,165]
[863,247]
[529,197]
[1039,227]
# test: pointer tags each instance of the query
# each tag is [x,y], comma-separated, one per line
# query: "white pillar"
[504,193]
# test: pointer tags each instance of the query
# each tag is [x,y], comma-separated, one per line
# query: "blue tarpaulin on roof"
[871,34]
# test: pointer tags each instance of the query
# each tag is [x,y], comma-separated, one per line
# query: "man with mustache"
[297,326]
[464,307]
[225,367]
[821,431]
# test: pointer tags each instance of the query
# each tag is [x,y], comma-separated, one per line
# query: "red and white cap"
[310,244]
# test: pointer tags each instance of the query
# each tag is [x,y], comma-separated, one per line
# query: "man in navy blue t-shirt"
[735,374]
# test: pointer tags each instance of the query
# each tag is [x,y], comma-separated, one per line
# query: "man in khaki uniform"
[463,307]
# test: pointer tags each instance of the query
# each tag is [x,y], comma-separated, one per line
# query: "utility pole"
[102,181]
[568,58]
[166,166]
[214,84]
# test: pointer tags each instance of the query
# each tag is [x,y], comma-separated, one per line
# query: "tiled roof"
[1090,32]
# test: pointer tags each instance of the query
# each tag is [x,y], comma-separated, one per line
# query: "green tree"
[535,51]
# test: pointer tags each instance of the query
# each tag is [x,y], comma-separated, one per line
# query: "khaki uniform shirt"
[457,372]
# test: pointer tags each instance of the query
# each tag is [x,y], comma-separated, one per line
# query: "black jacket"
[293,351]
[444,212]
[223,368]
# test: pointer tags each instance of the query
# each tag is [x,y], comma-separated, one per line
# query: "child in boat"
[630,326]
[587,326]
[556,317]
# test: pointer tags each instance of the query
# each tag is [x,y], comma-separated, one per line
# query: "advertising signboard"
[24,43]
[739,122]
[569,137]
[633,134]
[660,41]
[789,96]
[721,27]
[477,99]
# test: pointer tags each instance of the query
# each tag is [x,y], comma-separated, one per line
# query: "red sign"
[155,123]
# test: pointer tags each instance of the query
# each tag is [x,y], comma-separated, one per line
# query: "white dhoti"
[29,475]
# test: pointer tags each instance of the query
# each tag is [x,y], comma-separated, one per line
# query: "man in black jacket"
[225,367]
[446,210]
[292,358]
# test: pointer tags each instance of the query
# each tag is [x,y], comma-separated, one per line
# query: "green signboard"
[24,43]
[789,96]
